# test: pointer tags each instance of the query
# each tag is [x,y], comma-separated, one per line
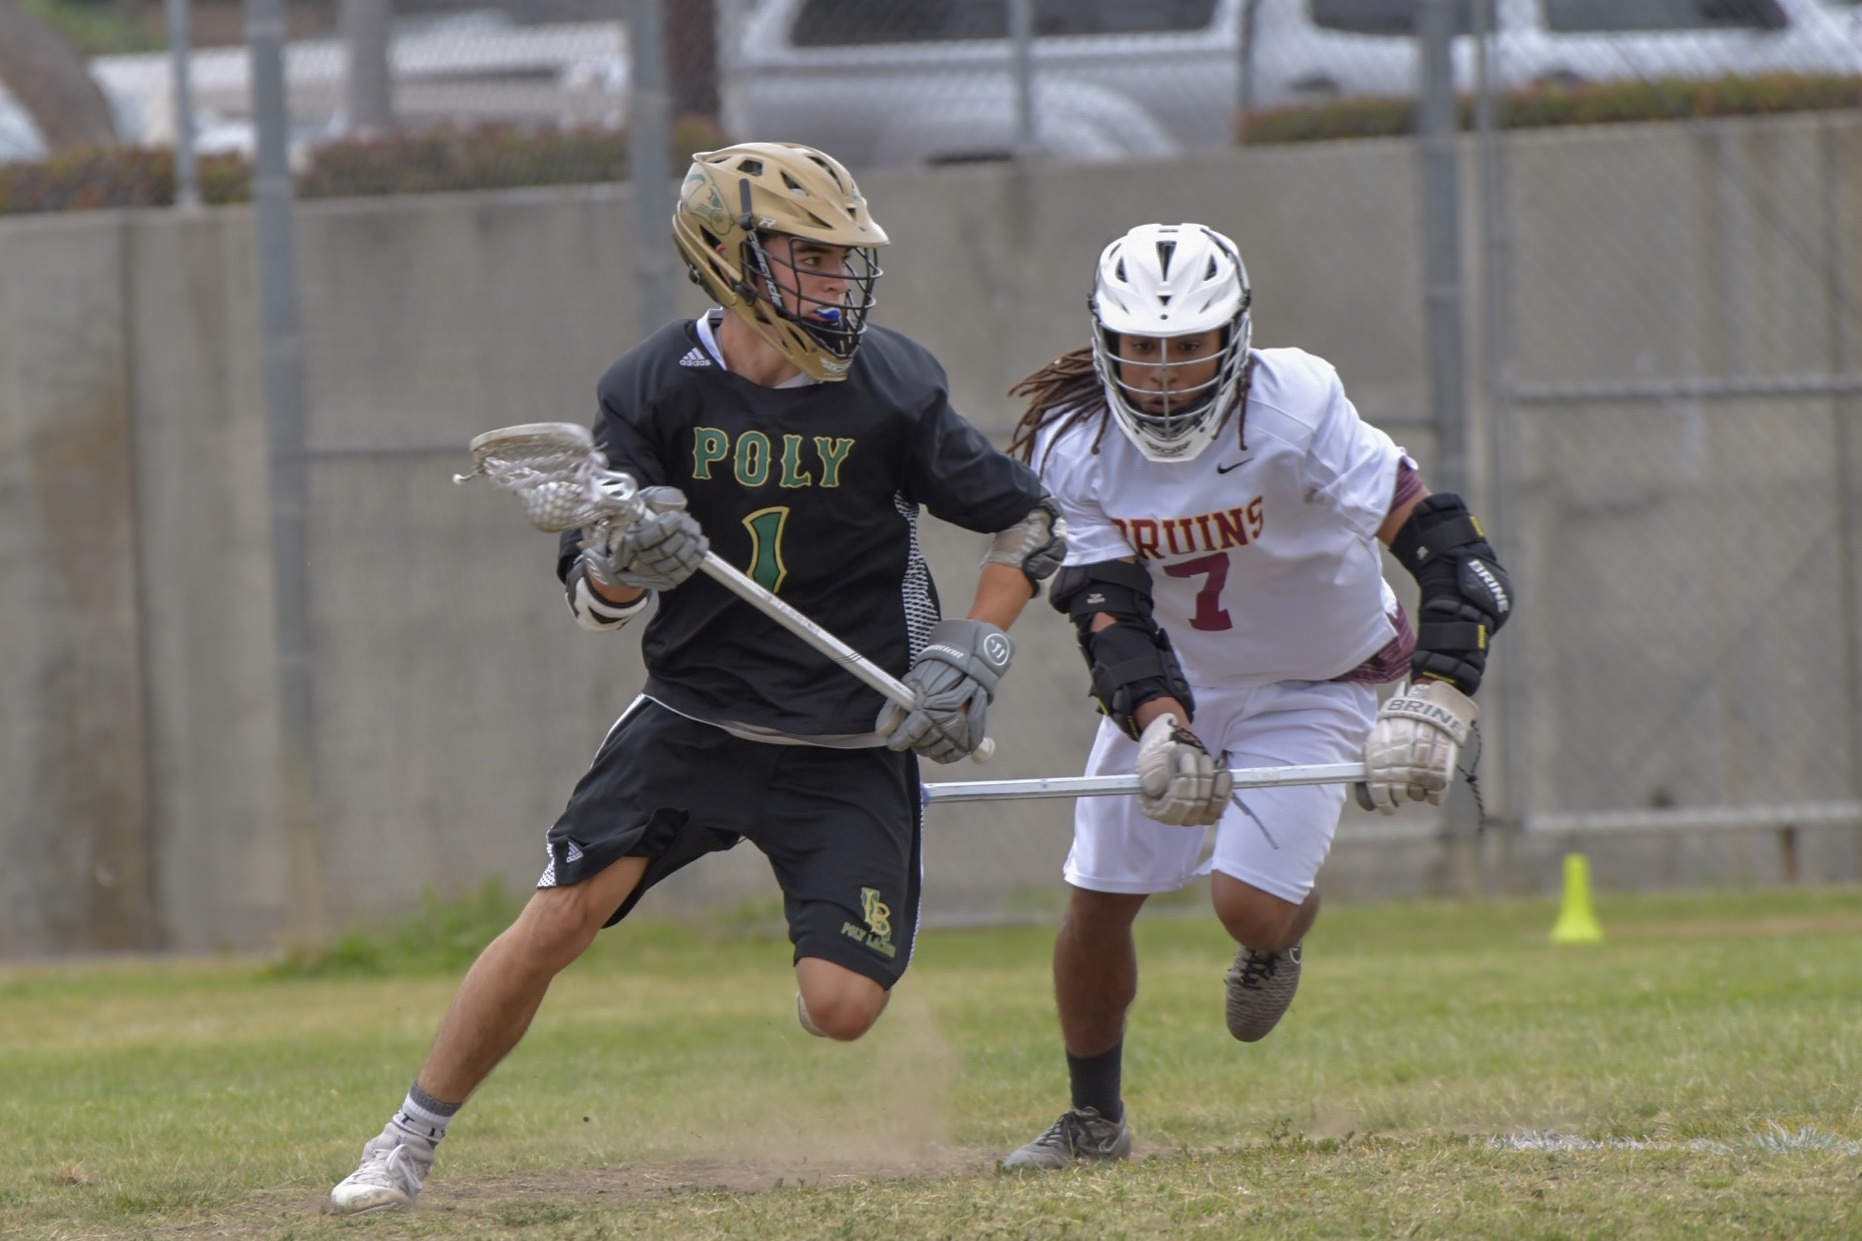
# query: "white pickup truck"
[887,83]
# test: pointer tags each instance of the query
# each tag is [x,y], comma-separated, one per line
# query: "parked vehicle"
[19,137]
[916,82]
[921,82]
[468,68]
[1602,40]
[1307,50]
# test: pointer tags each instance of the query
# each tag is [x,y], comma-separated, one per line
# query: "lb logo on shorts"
[877,933]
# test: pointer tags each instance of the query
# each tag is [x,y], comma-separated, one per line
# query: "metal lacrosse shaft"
[728,576]
[732,579]
[890,687]
[1111,786]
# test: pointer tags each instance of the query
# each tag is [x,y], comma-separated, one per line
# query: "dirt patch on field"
[453,1203]
[633,1181]
[735,1175]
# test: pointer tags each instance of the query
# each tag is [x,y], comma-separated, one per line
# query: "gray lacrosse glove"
[1412,747]
[656,552]
[1178,782]
[955,678]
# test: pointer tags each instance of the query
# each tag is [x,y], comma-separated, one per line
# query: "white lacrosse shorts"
[1287,723]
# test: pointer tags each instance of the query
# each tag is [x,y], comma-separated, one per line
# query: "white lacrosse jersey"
[1264,559]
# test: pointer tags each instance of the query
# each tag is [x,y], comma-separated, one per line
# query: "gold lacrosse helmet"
[735,210]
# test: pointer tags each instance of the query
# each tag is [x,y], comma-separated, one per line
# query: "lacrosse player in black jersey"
[800,443]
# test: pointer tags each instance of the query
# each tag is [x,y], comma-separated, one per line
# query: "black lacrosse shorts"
[842,829]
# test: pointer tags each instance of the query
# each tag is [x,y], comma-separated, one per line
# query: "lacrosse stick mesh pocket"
[554,467]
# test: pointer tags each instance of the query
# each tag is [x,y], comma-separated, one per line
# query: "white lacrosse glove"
[656,552]
[1412,747]
[1178,782]
[955,677]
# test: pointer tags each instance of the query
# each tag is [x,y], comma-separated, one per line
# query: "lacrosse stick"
[1110,786]
[565,484]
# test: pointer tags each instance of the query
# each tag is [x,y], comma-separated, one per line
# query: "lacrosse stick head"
[555,469]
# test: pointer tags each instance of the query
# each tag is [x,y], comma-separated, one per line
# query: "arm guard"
[1036,544]
[1131,661]
[1466,595]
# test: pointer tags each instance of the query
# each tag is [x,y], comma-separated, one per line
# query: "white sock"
[424,1116]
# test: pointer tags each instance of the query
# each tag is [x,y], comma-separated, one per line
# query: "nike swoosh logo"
[1223,469]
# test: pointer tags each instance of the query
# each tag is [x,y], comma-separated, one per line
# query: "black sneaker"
[1260,987]
[1079,1136]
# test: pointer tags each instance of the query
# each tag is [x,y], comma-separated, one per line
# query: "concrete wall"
[456,702]
[76,847]
[1700,644]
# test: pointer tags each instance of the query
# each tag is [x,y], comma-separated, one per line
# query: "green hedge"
[408,161]
[1599,103]
[482,157]
[93,180]
[501,156]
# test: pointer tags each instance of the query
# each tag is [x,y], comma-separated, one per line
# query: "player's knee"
[841,1018]
[1264,929]
[1255,918]
[840,1005]
[557,925]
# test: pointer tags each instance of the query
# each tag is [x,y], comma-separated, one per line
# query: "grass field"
[1444,1073]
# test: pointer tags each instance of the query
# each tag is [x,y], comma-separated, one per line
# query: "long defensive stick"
[565,484]
[1110,786]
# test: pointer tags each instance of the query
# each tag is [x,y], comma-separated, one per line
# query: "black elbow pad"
[1466,595]
[1131,661]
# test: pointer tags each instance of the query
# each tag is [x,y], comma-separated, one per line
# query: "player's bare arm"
[1399,516]
[1001,595]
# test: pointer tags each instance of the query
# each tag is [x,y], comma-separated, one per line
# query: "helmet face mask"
[1171,333]
[825,291]
[1168,384]
[780,235]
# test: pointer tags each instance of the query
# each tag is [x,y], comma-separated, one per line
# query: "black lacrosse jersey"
[813,492]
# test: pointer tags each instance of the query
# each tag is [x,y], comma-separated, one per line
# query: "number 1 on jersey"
[1210,614]
[766,565]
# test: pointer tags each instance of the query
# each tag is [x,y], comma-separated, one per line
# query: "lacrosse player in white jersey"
[1224,507]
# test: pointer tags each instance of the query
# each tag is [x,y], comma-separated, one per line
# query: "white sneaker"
[388,1178]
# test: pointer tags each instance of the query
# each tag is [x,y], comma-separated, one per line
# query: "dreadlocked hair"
[1069,382]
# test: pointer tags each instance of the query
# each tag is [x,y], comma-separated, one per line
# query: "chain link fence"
[1662,371]
[1659,369]
[1673,382]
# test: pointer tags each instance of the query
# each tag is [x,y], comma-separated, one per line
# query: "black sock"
[1096,1081]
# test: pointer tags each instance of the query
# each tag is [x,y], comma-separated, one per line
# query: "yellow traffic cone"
[1577,921]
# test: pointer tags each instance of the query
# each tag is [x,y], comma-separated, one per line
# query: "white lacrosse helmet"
[1164,280]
